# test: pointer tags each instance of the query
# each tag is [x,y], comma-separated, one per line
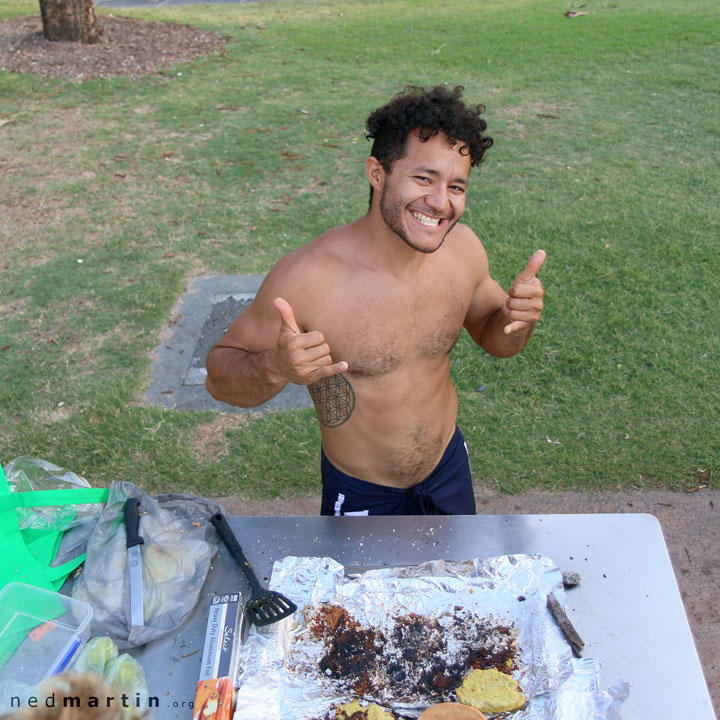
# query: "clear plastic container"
[41,633]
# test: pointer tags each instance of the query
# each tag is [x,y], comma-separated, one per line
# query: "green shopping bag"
[26,555]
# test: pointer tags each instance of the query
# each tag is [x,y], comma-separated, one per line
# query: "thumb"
[287,316]
[534,264]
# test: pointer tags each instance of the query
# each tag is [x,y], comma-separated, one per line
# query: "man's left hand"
[525,298]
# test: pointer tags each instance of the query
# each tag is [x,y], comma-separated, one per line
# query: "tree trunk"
[72,20]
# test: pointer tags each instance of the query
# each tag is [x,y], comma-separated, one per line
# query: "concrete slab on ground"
[199,320]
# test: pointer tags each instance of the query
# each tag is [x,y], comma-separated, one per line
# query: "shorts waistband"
[456,441]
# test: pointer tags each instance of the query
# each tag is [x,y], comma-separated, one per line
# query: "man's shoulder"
[465,233]
[320,253]
[311,265]
[336,242]
[467,244]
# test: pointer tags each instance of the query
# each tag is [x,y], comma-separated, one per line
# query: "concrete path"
[690,523]
[199,319]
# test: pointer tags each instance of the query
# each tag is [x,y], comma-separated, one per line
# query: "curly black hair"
[430,111]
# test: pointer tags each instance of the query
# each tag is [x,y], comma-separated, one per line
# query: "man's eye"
[422,178]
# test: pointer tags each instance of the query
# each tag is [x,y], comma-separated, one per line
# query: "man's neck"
[386,251]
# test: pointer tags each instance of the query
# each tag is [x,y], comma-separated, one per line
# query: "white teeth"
[425,220]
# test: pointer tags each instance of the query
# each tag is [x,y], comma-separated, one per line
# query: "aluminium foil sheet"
[284,673]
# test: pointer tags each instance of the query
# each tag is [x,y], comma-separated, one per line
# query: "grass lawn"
[606,153]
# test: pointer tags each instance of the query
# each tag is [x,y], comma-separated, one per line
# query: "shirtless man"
[366,314]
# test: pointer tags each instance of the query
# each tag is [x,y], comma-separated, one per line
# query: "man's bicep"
[256,329]
[487,295]
[486,300]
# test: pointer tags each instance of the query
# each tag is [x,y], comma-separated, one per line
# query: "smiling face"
[423,195]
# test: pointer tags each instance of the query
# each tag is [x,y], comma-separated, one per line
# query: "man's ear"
[375,173]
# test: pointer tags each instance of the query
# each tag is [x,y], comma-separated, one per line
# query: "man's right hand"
[302,358]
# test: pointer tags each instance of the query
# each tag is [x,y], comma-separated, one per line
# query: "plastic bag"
[179,542]
[97,654]
[26,474]
[122,673]
[126,675]
[31,555]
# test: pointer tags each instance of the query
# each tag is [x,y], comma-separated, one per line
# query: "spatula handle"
[228,536]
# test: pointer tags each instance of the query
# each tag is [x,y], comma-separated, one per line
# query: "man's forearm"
[494,340]
[241,378]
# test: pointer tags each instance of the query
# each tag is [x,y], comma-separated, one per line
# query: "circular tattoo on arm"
[334,400]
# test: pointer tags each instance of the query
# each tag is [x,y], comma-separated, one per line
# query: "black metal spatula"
[265,606]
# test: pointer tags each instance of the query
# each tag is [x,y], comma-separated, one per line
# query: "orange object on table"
[214,699]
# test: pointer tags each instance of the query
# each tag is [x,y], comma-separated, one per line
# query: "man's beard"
[393,216]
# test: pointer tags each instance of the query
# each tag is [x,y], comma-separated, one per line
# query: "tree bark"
[71,20]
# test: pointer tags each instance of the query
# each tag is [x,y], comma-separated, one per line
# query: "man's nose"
[438,198]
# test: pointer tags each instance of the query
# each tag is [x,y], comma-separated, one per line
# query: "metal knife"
[134,541]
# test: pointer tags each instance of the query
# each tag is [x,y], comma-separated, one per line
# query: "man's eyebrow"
[430,171]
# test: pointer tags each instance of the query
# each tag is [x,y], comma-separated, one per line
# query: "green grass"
[606,155]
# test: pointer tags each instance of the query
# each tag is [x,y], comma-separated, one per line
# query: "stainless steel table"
[627,608]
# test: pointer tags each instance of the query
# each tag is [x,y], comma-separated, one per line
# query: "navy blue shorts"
[446,491]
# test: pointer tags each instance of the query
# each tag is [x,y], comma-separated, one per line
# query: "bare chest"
[379,332]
